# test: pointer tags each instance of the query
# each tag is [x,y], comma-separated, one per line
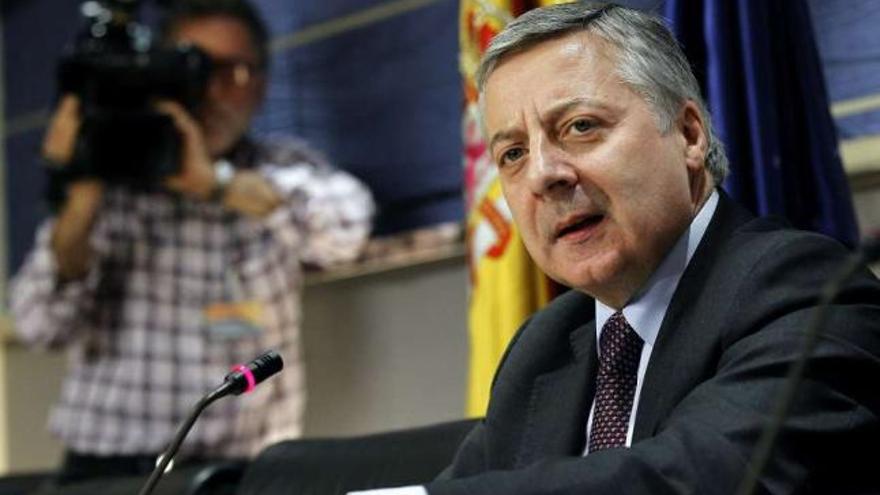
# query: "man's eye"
[582,125]
[512,155]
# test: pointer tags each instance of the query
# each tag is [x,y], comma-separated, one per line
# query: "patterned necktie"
[620,350]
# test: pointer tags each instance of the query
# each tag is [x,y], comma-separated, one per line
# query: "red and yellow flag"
[506,286]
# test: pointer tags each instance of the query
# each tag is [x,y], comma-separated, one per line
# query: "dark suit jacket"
[734,326]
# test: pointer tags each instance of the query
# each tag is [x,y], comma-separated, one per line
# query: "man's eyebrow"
[503,135]
[557,110]
[551,115]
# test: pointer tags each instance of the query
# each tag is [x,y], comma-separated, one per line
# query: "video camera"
[118,72]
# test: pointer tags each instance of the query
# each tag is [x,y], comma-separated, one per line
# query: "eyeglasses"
[234,72]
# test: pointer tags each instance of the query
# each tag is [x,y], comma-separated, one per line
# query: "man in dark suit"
[658,372]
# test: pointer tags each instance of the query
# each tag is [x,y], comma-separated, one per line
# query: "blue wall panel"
[848,35]
[383,101]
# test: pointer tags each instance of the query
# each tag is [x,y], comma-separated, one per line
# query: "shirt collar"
[645,312]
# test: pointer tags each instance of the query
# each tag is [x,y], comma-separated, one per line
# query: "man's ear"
[696,139]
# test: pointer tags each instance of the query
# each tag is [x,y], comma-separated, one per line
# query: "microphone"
[242,379]
[868,252]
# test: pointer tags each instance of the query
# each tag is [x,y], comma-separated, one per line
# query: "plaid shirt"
[142,352]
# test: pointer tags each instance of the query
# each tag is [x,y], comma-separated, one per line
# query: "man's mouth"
[578,227]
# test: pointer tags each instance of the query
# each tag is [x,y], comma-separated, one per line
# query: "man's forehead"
[220,34]
[577,45]
[548,77]
[545,62]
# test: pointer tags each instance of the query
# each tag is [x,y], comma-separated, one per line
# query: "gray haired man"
[658,372]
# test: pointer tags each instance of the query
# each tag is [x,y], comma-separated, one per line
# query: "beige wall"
[387,350]
[867,204]
[4,416]
[30,384]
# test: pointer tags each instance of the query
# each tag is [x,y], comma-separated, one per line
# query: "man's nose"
[551,171]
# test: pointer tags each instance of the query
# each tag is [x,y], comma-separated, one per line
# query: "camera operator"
[157,291]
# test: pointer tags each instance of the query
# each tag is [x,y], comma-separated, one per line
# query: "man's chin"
[594,278]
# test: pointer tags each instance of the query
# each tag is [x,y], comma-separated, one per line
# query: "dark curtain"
[759,67]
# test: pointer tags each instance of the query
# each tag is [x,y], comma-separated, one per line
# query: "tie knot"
[620,347]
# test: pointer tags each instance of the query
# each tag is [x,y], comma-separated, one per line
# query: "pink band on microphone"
[248,375]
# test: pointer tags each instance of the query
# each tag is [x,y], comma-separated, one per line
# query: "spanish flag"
[506,286]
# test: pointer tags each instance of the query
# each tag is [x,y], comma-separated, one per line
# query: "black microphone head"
[266,365]
[245,377]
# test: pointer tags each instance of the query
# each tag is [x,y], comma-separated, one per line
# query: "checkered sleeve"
[328,213]
[48,313]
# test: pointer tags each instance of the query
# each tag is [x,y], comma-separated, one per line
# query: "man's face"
[237,84]
[598,193]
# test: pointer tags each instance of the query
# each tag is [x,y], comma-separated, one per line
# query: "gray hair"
[648,59]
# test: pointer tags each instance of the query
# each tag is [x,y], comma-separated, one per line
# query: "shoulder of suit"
[769,239]
[763,262]
[550,327]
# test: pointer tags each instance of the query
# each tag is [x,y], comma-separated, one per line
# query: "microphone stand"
[242,379]
[182,431]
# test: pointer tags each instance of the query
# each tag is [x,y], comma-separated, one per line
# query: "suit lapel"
[685,342]
[560,403]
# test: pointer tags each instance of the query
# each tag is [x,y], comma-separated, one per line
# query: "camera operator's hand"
[60,139]
[70,233]
[196,178]
[248,192]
